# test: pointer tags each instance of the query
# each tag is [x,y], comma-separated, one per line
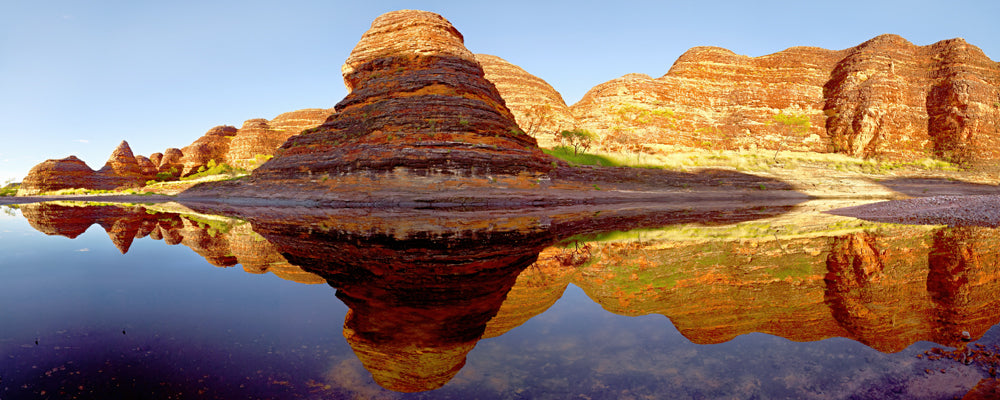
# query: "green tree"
[578,138]
[796,124]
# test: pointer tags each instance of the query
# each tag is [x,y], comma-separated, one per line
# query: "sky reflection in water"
[160,320]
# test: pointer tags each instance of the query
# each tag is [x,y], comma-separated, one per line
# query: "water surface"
[684,302]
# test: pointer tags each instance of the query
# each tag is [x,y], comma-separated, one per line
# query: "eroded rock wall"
[886,98]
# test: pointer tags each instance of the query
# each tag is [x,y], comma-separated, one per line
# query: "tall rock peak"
[404,33]
[420,113]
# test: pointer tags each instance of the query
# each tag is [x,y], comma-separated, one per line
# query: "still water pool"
[168,301]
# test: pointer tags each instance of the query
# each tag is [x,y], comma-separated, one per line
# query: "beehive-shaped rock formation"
[120,171]
[419,114]
[886,98]
[539,109]
[259,138]
[212,146]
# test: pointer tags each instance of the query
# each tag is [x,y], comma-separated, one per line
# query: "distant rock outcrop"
[538,108]
[212,146]
[172,162]
[51,175]
[885,98]
[420,115]
[147,167]
[259,138]
[120,171]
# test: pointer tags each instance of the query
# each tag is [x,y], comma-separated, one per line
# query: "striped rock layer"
[885,98]
[538,108]
[122,170]
[419,114]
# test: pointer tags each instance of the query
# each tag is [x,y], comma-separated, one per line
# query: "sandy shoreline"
[920,201]
[975,210]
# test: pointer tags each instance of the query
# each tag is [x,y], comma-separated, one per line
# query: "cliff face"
[890,98]
[538,108]
[122,170]
[419,114]
[885,98]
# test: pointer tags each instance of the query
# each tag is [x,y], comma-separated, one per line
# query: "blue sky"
[77,77]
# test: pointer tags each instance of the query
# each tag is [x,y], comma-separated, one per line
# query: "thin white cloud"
[83,249]
[82,140]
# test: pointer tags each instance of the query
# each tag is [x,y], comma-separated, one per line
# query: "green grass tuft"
[566,153]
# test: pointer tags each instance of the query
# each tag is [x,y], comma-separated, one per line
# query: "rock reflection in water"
[222,242]
[423,287]
[887,289]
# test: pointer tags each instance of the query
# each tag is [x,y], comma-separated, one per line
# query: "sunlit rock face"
[884,98]
[50,175]
[538,108]
[259,138]
[714,98]
[172,162]
[147,168]
[212,146]
[122,170]
[893,99]
[420,114]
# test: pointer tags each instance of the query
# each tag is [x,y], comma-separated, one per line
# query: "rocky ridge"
[122,170]
[885,98]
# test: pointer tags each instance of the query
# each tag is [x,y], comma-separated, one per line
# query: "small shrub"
[215,169]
